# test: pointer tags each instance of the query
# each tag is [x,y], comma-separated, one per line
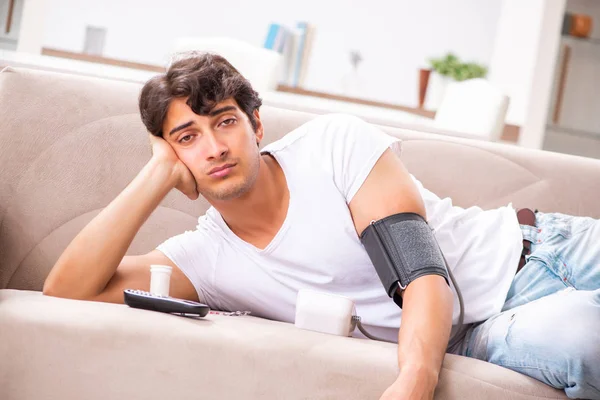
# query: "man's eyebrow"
[221,110]
[180,127]
[212,113]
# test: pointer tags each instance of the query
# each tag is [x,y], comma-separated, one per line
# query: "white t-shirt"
[325,162]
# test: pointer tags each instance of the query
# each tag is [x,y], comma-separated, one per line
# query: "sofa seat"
[54,348]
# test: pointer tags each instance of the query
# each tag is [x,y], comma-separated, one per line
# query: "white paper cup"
[160,279]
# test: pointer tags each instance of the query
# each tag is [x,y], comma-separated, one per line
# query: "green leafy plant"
[451,66]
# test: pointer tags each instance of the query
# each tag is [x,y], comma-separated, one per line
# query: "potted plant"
[446,69]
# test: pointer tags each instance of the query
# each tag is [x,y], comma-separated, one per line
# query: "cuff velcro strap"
[402,248]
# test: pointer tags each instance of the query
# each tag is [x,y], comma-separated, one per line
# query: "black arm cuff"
[402,248]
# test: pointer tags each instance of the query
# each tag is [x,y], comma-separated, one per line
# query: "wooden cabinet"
[576,90]
[10,23]
[573,124]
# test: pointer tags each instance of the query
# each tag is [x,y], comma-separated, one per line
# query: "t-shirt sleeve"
[193,253]
[351,148]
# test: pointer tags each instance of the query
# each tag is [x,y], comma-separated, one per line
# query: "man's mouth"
[221,171]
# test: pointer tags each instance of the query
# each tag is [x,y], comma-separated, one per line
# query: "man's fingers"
[153,138]
[163,150]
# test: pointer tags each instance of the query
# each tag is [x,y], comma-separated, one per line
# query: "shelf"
[101,60]
[595,41]
[305,92]
[8,44]
[574,131]
[510,134]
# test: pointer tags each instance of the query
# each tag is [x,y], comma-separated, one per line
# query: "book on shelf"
[276,37]
[295,45]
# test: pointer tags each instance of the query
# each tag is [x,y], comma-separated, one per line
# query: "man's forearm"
[91,259]
[425,328]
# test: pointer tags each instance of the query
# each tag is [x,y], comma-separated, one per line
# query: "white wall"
[394,37]
[31,26]
[513,63]
[524,60]
[533,130]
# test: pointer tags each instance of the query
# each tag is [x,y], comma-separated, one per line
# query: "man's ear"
[259,132]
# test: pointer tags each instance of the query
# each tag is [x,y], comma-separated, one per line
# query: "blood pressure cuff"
[402,248]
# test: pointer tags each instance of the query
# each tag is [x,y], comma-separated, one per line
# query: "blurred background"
[522,72]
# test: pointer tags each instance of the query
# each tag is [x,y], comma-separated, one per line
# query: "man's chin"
[232,187]
[231,192]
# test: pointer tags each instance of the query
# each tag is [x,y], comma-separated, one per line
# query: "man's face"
[207,143]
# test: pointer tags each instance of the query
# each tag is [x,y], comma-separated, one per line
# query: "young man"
[291,216]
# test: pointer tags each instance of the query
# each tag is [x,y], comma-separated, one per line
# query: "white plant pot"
[435,91]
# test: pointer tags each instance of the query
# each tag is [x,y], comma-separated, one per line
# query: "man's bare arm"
[427,301]
[89,263]
[134,273]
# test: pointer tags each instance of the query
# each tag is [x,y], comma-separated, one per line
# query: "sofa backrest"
[69,145]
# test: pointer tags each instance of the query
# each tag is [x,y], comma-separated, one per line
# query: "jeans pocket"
[566,225]
[561,225]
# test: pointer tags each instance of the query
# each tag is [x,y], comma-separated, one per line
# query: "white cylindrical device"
[160,279]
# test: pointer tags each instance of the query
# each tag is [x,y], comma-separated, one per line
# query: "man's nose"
[216,148]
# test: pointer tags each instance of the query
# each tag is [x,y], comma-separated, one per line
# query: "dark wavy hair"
[205,79]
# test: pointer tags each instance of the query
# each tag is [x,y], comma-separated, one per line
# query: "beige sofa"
[69,145]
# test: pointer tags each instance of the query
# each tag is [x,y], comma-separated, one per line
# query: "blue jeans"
[549,327]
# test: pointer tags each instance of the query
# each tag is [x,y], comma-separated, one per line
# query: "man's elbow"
[54,286]
[51,288]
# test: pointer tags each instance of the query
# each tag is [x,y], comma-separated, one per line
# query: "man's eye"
[185,139]
[228,121]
